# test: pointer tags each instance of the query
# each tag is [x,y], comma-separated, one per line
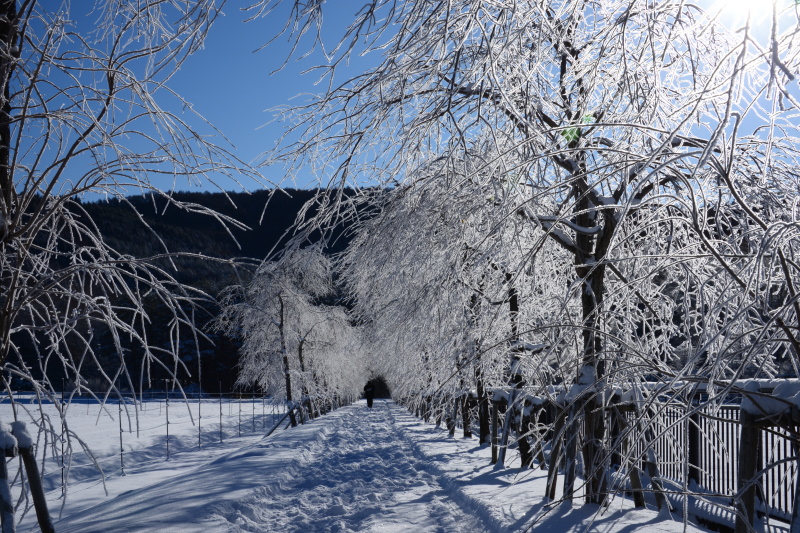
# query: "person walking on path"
[369,394]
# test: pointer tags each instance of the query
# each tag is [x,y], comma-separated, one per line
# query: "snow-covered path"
[365,477]
[353,470]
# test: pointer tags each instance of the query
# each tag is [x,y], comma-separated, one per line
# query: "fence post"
[495,408]
[465,412]
[525,450]
[510,416]
[555,452]
[630,452]
[693,433]
[748,471]
[6,503]
[651,462]
[570,455]
[539,435]
[199,421]
[795,524]
[62,438]
[220,412]
[34,479]
[121,452]
[166,408]
[450,421]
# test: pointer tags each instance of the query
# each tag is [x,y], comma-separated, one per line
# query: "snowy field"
[355,469]
[152,453]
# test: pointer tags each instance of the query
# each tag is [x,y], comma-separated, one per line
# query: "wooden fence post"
[748,471]
[540,436]
[644,429]
[792,425]
[633,473]
[570,456]
[34,479]
[795,524]
[555,452]
[465,412]
[6,503]
[450,421]
[501,455]
[525,450]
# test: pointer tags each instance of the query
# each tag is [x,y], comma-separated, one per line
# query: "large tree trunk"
[589,266]
[305,391]
[591,375]
[9,38]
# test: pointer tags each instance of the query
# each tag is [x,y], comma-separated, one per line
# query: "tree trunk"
[9,38]
[480,387]
[589,267]
[306,399]
[465,418]
[484,428]
[525,449]
[286,369]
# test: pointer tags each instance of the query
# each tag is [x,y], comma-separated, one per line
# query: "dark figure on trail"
[369,394]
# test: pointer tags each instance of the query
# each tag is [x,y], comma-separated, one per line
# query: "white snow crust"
[20,432]
[7,440]
[783,396]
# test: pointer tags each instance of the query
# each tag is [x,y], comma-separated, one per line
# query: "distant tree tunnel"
[380,388]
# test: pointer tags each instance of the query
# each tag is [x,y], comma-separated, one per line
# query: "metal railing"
[697,445]
[709,455]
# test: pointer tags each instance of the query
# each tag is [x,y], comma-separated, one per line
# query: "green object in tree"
[574,133]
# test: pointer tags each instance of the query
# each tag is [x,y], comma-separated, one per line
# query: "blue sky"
[230,83]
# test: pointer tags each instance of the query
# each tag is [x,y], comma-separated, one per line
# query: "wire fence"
[132,430]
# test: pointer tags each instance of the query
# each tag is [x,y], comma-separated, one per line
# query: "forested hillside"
[268,216]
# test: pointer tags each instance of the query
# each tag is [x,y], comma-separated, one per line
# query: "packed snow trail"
[365,478]
[351,470]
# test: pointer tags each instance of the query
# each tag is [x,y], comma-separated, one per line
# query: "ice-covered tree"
[449,285]
[605,115]
[292,343]
[86,112]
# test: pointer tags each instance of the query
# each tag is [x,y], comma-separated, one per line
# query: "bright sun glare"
[735,13]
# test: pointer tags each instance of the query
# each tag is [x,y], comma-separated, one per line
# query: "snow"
[780,399]
[20,432]
[528,346]
[355,469]
[499,394]
[7,440]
